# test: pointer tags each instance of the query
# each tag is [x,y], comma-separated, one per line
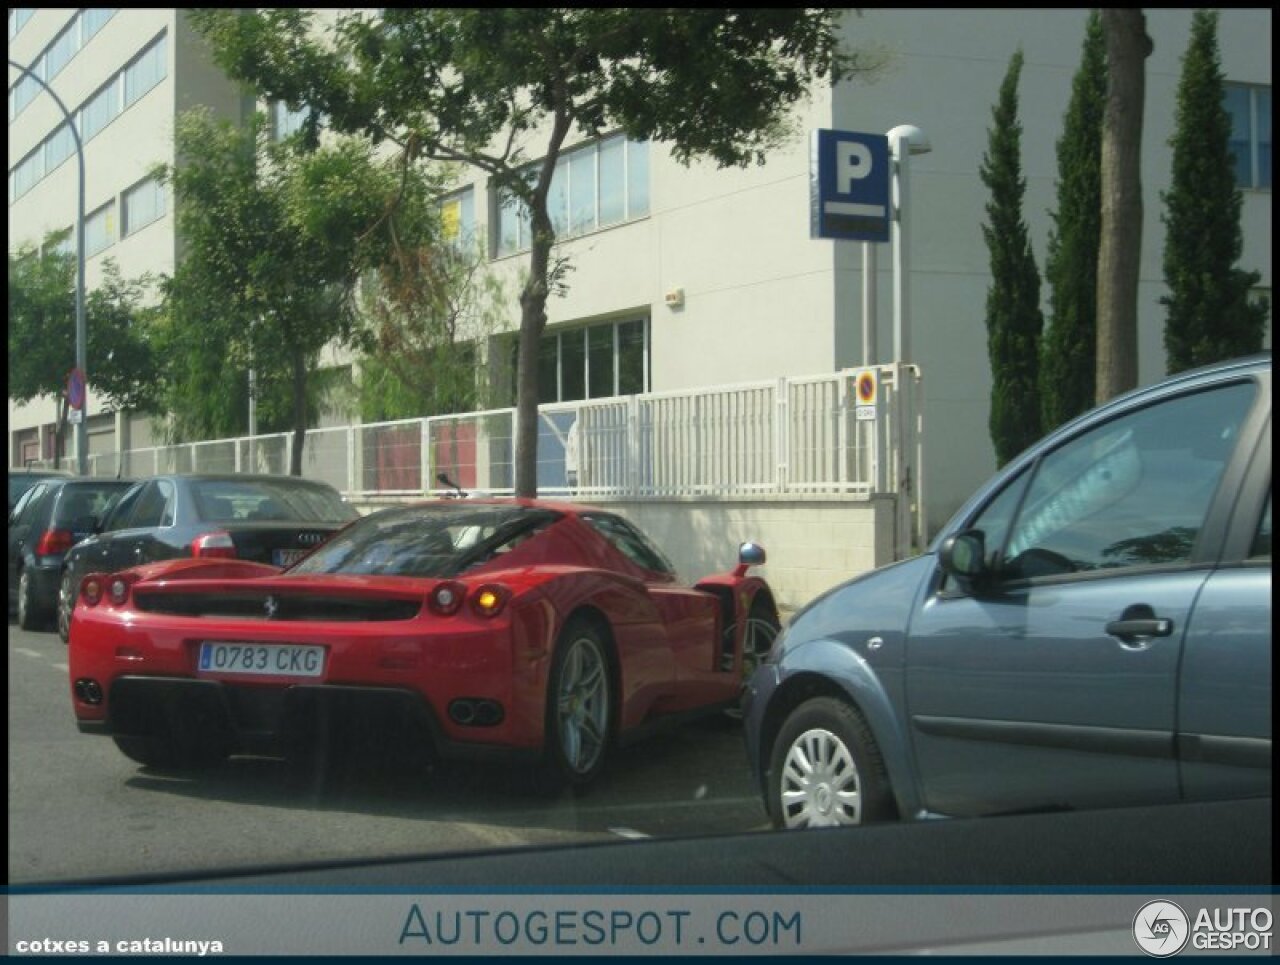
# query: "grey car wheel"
[66,602]
[579,705]
[28,617]
[825,769]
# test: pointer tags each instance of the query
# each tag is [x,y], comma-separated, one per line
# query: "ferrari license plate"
[285,660]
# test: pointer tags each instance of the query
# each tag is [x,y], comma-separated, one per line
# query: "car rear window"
[427,541]
[78,500]
[282,500]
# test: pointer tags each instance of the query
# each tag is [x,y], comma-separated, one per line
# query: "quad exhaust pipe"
[476,712]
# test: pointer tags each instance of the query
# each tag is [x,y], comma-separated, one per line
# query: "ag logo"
[1161,928]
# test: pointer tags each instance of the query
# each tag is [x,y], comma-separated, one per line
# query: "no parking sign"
[864,394]
[75,389]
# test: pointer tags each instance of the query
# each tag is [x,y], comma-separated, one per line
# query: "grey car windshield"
[426,541]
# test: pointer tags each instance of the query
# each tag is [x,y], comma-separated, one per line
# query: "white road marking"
[629,833]
[28,653]
[62,666]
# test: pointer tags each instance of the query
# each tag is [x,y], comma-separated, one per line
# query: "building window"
[100,229]
[286,121]
[58,146]
[26,175]
[145,72]
[143,204]
[59,53]
[100,110]
[23,93]
[458,218]
[92,20]
[60,243]
[1250,110]
[18,18]
[603,183]
[598,361]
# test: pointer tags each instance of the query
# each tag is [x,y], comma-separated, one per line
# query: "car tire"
[580,709]
[826,770]
[29,615]
[66,603]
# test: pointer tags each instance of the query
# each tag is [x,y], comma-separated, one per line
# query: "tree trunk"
[1120,247]
[533,319]
[299,412]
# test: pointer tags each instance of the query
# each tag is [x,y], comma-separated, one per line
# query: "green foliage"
[426,315]
[1068,356]
[477,86]
[275,237]
[1014,320]
[122,364]
[1210,315]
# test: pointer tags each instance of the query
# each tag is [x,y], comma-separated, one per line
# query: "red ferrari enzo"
[514,626]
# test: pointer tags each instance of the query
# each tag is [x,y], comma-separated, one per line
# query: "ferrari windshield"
[426,541]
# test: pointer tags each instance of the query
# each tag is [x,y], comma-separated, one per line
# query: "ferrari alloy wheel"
[28,616]
[66,602]
[826,770]
[579,704]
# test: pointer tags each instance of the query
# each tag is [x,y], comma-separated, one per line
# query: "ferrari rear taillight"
[91,589]
[118,589]
[446,598]
[217,544]
[54,541]
[488,600]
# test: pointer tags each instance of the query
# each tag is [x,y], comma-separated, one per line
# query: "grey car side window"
[1132,492]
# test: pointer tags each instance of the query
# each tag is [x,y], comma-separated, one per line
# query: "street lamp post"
[904,141]
[81,430]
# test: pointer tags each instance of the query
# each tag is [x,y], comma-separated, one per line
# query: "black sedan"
[267,519]
[54,514]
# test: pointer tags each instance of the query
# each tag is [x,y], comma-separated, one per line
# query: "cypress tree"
[1014,319]
[1210,316]
[1069,351]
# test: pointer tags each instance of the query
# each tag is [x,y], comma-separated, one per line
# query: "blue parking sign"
[849,186]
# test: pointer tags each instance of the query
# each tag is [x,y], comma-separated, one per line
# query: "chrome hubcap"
[582,705]
[820,783]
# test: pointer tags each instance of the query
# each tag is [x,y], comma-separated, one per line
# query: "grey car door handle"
[1140,628]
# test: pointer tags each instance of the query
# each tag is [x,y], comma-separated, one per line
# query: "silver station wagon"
[1092,629]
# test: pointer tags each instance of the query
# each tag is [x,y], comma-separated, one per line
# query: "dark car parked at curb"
[51,517]
[1092,629]
[22,480]
[264,519]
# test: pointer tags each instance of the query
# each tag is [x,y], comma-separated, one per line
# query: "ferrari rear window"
[426,541]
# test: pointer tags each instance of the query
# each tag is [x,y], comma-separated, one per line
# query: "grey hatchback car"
[1093,628]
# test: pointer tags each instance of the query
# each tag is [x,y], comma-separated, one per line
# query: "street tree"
[124,368]
[1014,319]
[275,237]
[1120,248]
[502,89]
[425,314]
[1210,314]
[1068,356]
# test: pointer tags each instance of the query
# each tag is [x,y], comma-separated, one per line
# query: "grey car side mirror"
[963,558]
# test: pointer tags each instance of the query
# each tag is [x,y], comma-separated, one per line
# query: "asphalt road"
[79,809]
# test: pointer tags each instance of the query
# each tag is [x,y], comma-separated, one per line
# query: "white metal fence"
[788,437]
